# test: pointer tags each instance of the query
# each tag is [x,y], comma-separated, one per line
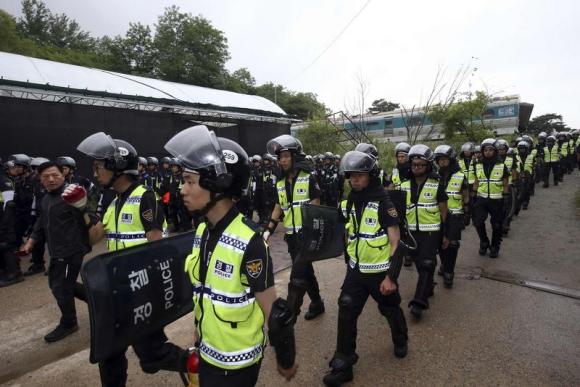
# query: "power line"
[333,41]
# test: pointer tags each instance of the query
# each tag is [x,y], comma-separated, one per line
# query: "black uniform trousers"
[212,376]
[153,348]
[493,207]
[302,277]
[448,256]
[356,289]
[555,167]
[62,277]
[425,257]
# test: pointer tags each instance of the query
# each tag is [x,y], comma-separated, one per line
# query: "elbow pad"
[281,333]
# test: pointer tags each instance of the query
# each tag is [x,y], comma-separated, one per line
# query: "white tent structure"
[32,78]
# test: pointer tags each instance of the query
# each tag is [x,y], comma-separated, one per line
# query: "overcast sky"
[525,47]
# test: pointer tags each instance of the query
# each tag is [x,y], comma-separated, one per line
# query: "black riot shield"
[136,291]
[322,233]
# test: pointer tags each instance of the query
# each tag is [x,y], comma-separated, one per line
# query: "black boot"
[315,309]
[483,246]
[60,332]
[494,252]
[408,260]
[341,370]
[416,311]
[34,269]
[11,279]
[448,280]
[398,325]
[296,292]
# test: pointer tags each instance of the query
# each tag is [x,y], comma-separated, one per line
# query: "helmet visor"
[197,148]
[356,161]
[99,146]
[282,143]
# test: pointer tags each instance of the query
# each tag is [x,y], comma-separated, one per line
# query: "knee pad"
[298,284]
[345,301]
[425,264]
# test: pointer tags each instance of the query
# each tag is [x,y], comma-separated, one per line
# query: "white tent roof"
[44,74]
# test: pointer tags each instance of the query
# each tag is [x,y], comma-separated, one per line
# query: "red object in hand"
[193,363]
[193,369]
[166,197]
[20,253]
[74,194]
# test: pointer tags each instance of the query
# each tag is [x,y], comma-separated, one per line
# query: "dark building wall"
[51,129]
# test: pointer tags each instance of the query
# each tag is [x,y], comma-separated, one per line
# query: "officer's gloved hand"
[75,195]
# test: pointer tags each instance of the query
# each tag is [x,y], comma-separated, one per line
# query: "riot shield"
[136,291]
[322,233]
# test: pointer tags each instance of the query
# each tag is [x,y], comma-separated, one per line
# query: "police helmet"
[66,161]
[36,161]
[421,151]
[402,147]
[511,152]
[477,149]
[223,165]
[468,147]
[174,161]
[502,144]
[551,139]
[142,161]
[282,143]
[269,157]
[166,159]
[152,161]
[445,151]
[369,149]
[337,157]
[524,144]
[119,156]
[20,159]
[489,143]
[575,133]
[357,161]
[309,157]
[542,135]
[518,139]
[328,155]
[257,158]
[561,136]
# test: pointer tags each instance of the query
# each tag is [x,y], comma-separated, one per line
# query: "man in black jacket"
[66,233]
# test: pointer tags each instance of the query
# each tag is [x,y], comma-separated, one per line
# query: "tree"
[40,25]
[442,94]
[189,49]
[319,136]
[303,106]
[463,120]
[382,105]
[240,81]
[547,123]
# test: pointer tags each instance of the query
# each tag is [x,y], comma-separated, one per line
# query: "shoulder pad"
[251,224]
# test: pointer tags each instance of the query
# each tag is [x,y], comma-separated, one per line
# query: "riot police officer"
[133,218]
[271,174]
[153,180]
[372,264]
[142,169]
[181,218]
[230,334]
[426,213]
[526,180]
[551,156]
[563,151]
[329,181]
[401,172]
[296,187]
[491,195]
[23,194]
[37,253]
[10,272]
[453,177]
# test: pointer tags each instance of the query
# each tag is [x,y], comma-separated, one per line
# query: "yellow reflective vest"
[229,319]
[551,155]
[425,215]
[454,194]
[291,206]
[368,243]
[491,187]
[467,171]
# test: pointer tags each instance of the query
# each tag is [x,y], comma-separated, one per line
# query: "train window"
[488,113]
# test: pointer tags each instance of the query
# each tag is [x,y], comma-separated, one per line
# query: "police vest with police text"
[551,155]
[368,243]
[491,187]
[425,215]
[454,194]
[127,230]
[230,321]
[291,206]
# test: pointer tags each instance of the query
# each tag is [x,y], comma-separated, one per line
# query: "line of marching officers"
[444,191]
